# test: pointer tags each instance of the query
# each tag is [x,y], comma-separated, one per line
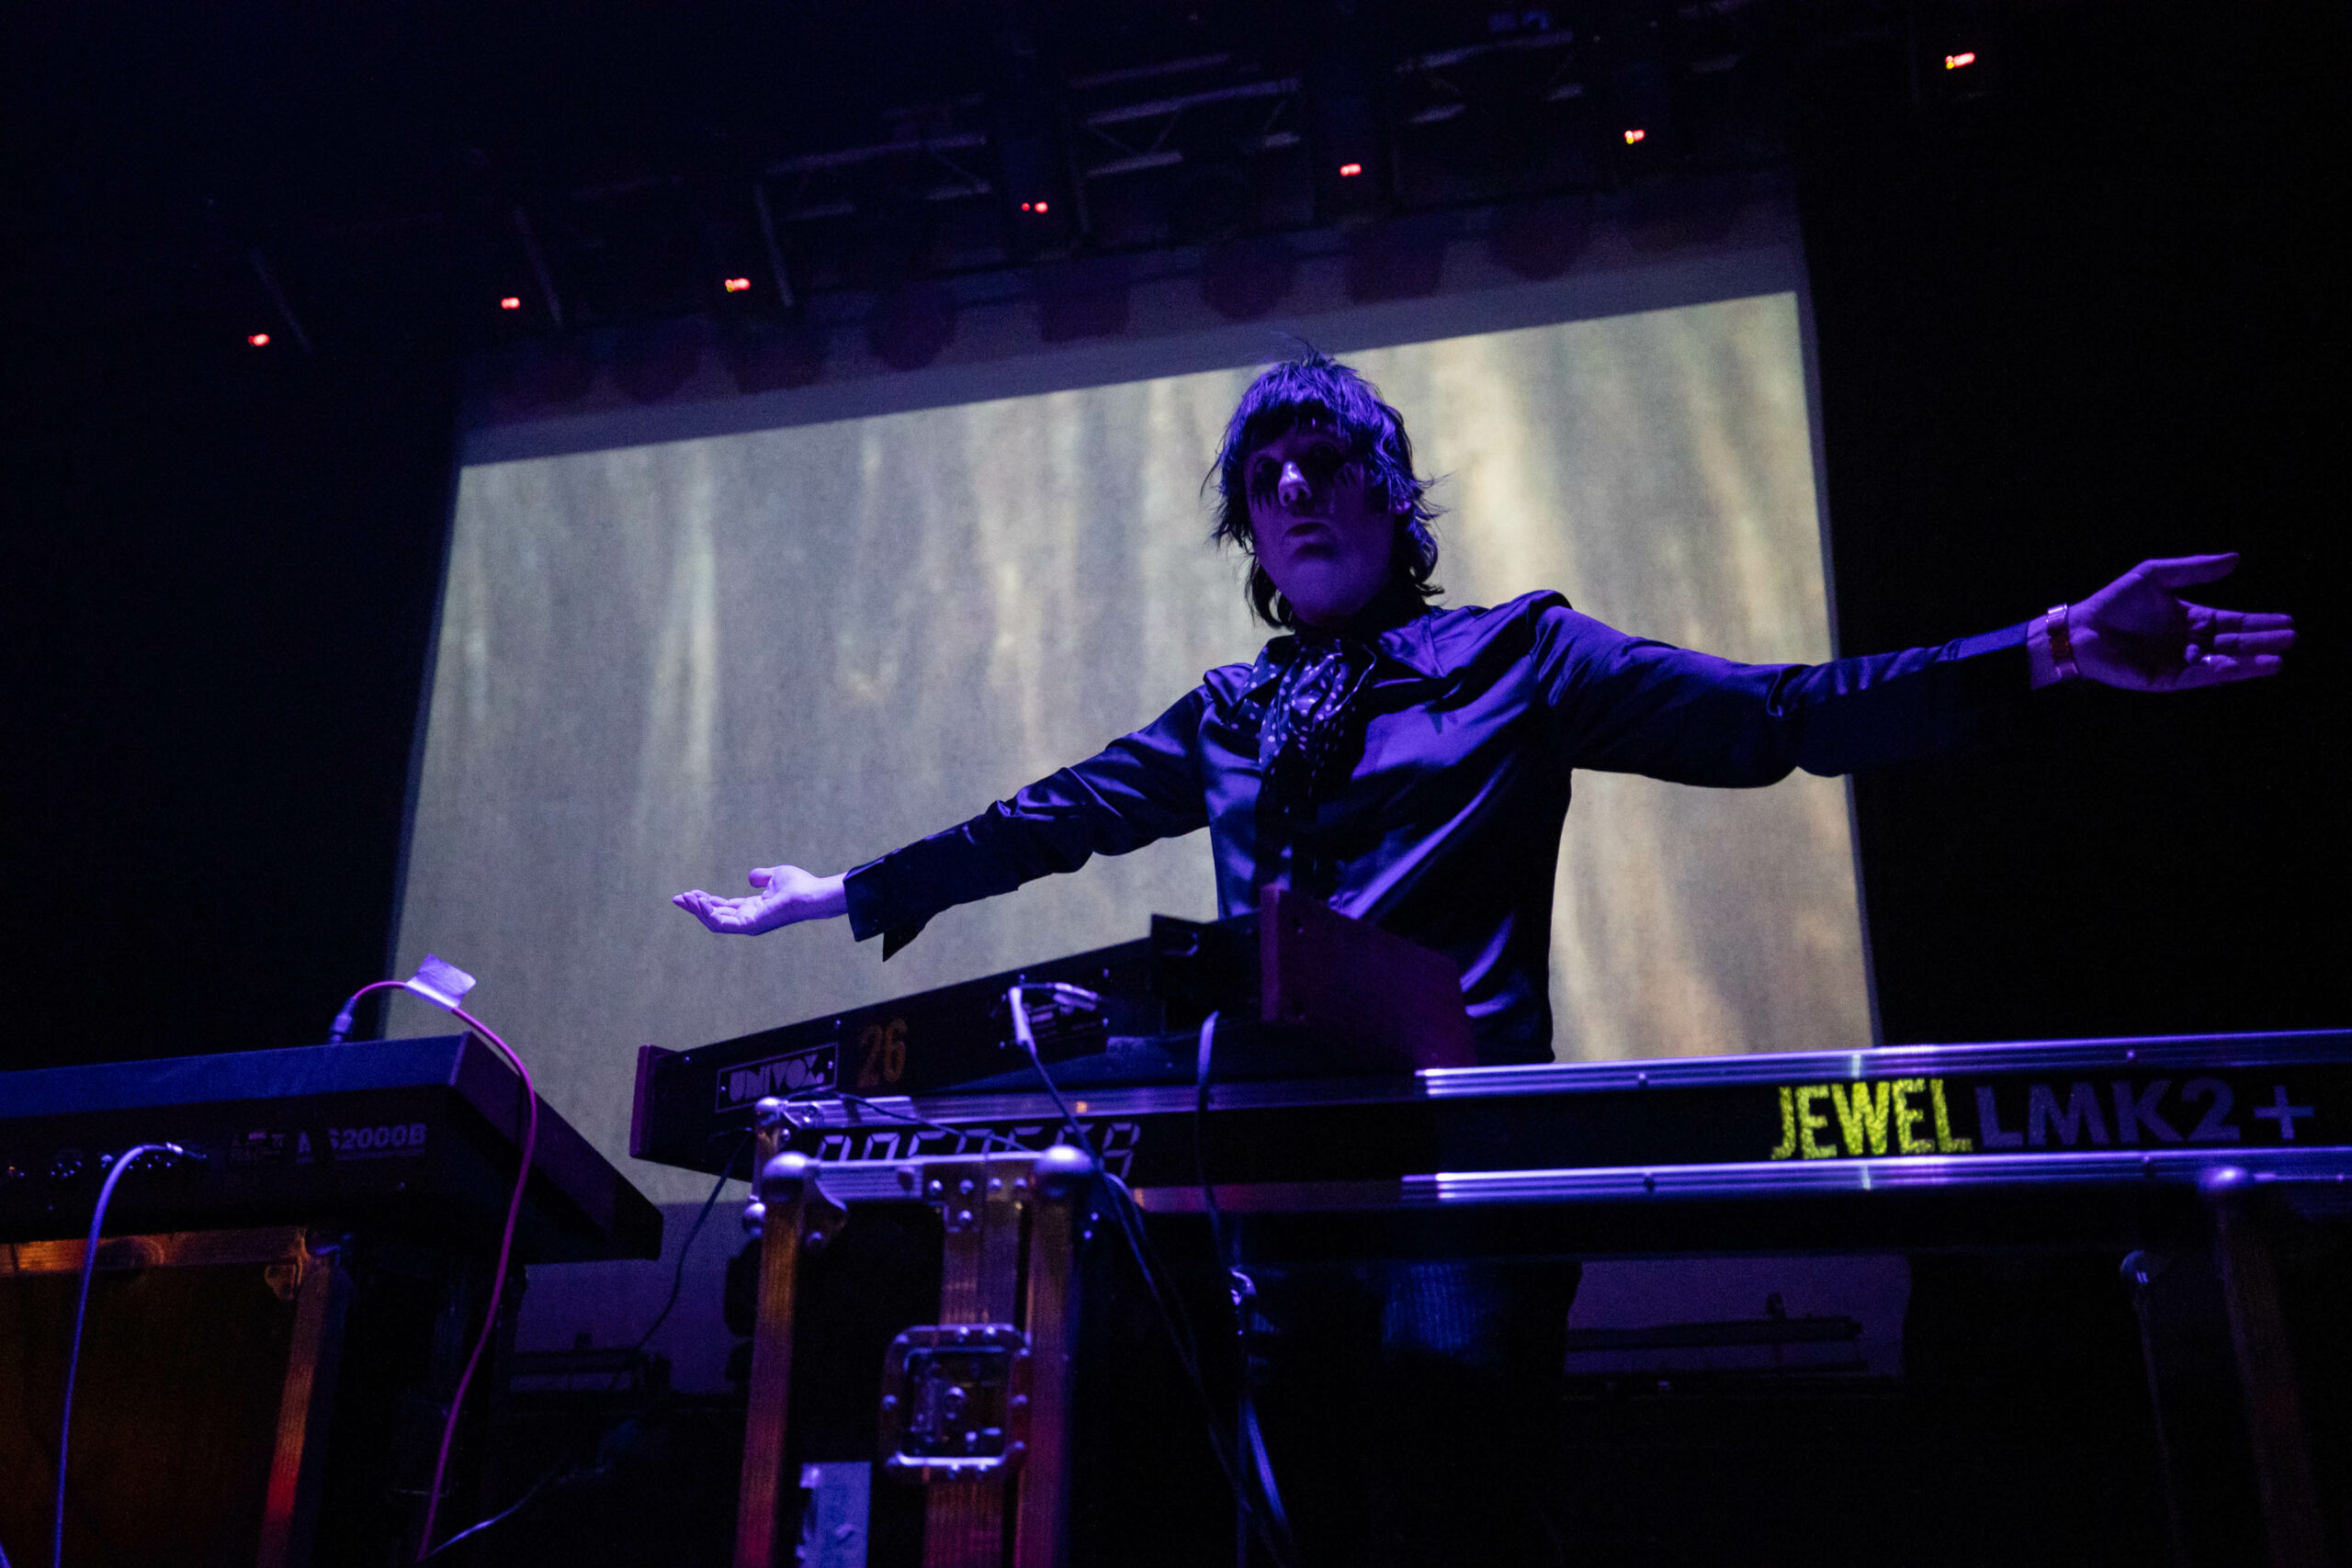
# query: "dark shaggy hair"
[1315,388]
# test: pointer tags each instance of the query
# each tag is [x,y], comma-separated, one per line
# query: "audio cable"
[563,1473]
[442,984]
[1267,1521]
[114,1174]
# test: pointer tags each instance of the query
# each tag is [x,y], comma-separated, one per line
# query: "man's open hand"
[787,894]
[2138,633]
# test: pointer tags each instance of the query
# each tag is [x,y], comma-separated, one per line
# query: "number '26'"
[882,1054]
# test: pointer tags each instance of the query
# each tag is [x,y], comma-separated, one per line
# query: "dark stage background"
[2097,318]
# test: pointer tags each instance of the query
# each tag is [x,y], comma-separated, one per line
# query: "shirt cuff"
[1996,667]
[1992,681]
[877,909]
[1992,642]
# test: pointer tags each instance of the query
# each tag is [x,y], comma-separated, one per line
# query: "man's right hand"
[787,894]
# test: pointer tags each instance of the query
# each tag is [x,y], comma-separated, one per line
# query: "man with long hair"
[1410,764]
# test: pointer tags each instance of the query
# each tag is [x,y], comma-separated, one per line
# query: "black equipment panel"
[420,1135]
[693,1108]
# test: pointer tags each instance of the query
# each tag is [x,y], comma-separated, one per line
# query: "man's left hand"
[2140,634]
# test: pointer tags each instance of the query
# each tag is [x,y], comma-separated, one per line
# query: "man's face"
[1321,533]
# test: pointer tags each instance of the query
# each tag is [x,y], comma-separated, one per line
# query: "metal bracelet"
[2061,646]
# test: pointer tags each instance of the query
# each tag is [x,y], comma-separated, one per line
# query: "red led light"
[1634,136]
[1032,207]
[512,302]
[1348,171]
[1041,207]
[736,284]
[1954,61]
[259,340]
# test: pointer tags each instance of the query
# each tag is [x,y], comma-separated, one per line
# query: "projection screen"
[660,665]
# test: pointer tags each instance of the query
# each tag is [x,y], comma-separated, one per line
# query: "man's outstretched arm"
[1629,705]
[1140,788]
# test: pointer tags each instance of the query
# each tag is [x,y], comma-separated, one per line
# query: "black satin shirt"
[1447,829]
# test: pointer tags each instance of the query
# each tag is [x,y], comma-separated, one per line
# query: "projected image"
[661,665]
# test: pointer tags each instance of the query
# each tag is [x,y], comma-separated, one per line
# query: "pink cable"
[505,1251]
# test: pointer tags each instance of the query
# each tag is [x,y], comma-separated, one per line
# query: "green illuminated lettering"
[1861,1116]
[1811,1120]
[1788,1130]
[1945,1143]
[1906,1118]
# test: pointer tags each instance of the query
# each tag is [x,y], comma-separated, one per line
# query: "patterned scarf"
[1299,744]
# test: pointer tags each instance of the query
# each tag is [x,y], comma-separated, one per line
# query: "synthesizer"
[2034,1120]
[696,1106]
[417,1135]
[1303,991]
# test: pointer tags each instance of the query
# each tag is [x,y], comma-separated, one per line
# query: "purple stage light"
[655,362]
[910,325]
[1541,239]
[1404,259]
[775,358]
[1243,280]
[1082,299]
